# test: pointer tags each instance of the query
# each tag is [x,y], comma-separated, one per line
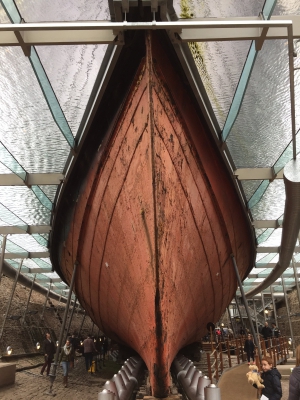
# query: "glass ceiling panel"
[274,238]
[57,10]
[49,190]
[3,17]
[22,202]
[72,71]
[34,140]
[271,205]
[217,9]
[26,242]
[259,137]
[284,7]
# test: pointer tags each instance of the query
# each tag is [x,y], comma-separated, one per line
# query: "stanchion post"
[2,255]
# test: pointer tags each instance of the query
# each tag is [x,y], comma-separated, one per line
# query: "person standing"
[66,356]
[88,350]
[249,348]
[294,385]
[49,351]
[267,333]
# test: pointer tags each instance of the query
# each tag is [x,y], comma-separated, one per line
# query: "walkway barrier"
[195,385]
[125,382]
[232,350]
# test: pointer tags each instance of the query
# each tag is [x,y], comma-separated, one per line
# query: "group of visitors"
[67,354]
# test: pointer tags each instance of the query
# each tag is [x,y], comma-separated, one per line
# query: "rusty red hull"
[156,225]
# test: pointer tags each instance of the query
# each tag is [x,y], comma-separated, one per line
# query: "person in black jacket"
[294,387]
[267,334]
[271,377]
[249,348]
[49,351]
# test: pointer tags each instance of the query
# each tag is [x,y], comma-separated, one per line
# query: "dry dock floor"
[29,385]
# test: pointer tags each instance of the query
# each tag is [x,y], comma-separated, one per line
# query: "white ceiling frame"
[257,174]
[267,223]
[33,254]
[31,179]
[26,270]
[274,249]
[18,230]
[63,33]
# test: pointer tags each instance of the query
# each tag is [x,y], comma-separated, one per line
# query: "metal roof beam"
[33,254]
[274,249]
[31,179]
[267,223]
[26,270]
[63,33]
[257,174]
[19,230]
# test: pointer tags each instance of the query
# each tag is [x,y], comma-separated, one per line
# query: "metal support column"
[232,327]
[274,305]
[11,297]
[288,314]
[256,323]
[47,295]
[2,255]
[84,315]
[296,279]
[245,303]
[239,311]
[71,317]
[28,300]
[263,304]
[62,330]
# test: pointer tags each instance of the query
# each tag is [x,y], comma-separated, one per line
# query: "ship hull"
[156,223]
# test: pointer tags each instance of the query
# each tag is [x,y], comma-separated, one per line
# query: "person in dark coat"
[249,348]
[271,377]
[267,334]
[49,351]
[88,351]
[294,386]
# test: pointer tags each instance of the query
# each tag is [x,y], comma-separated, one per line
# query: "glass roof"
[44,97]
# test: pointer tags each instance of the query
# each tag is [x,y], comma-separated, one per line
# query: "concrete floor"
[82,385]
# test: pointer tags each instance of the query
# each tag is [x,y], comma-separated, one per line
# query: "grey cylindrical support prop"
[28,300]
[2,255]
[263,304]
[10,299]
[290,227]
[190,373]
[71,317]
[62,329]
[212,392]
[289,315]
[245,302]
[124,376]
[202,383]
[274,306]
[195,379]
[111,386]
[106,395]
[296,280]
